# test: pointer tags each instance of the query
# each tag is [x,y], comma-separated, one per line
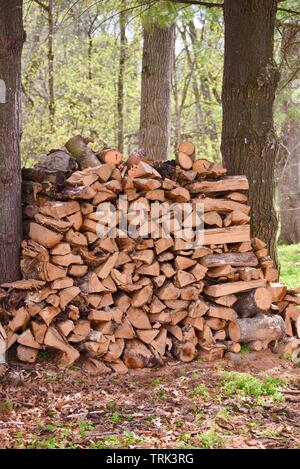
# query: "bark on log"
[253,302]
[84,156]
[262,327]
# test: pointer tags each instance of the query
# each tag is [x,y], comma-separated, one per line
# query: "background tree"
[249,143]
[11,41]
[288,165]
[157,71]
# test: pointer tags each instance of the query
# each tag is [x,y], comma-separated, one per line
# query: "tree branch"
[42,5]
[200,3]
[293,12]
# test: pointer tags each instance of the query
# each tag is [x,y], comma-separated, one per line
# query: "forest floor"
[196,405]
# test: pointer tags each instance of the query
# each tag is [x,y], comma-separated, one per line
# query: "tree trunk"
[90,56]
[121,81]
[51,65]
[11,42]
[249,143]
[288,167]
[155,119]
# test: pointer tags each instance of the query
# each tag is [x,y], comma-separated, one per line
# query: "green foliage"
[245,348]
[211,440]
[289,257]
[89,106]
[201,391]
[244,384]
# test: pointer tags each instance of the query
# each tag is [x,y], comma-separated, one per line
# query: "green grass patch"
[244,384]
[201,391]
[289,257]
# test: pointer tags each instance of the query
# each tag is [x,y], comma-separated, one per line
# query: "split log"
[246,259]
[233,287]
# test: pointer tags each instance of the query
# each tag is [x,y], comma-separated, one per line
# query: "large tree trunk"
[249,143]
[11,41]
[288,167]
[155,120]
[121,81]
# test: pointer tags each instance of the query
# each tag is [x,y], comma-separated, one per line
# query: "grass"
[289,257]
[244,384]
[201,391]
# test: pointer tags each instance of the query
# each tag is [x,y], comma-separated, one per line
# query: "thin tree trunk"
[121,81]
[177,127]
[249,144]
[155,119]
[51,65]
[191,64]
[12,37]
[90,56]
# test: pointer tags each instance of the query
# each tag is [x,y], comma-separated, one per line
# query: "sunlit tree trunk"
[155,118]
[121,83]
[12,37]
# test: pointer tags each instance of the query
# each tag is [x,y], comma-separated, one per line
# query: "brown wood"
[188,148]
[137,355]
[230,183]
[261,327]
[232,234]
[253,302]
[184,160]
[233,287]
[231,258]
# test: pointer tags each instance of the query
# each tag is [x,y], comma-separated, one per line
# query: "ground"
[254,403]
[195,405]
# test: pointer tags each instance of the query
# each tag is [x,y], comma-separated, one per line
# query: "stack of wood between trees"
[122,302]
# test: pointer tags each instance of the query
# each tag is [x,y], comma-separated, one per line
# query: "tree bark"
[249,144]
[12,36]
[121,81]
[155,118]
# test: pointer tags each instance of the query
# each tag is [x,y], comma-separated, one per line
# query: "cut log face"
[184,160]
[188,148]
[254,302]
[137,355]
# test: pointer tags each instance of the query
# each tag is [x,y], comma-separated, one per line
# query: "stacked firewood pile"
[122,301]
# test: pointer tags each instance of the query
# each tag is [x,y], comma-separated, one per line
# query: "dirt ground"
[176,406]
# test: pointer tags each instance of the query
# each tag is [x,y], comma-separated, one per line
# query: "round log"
[84,156]
[261,327]
[253,302]
[188,148]
[137,355]
[111,156]
[184,160]
[184,351]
